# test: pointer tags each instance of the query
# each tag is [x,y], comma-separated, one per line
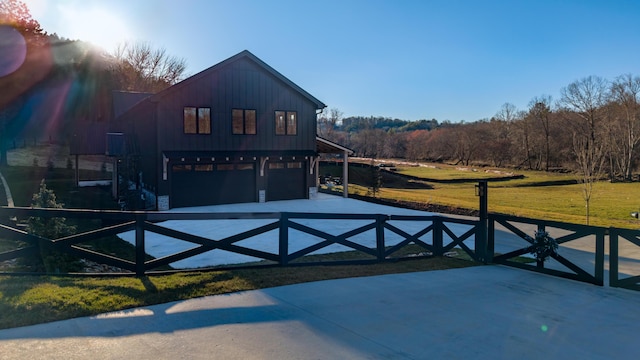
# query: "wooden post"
[345,174]
[283,239]
[140,250]
[613,258]
[482,238]
[438,239]
[380,220]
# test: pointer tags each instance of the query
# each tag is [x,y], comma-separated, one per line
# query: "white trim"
[165,161]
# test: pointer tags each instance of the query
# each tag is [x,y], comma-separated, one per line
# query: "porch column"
[317,171]
[345,174]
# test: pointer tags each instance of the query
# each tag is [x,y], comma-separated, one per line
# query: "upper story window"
[243,122]
[286,123]
[197,120]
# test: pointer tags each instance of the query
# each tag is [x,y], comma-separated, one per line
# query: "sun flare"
[97,25]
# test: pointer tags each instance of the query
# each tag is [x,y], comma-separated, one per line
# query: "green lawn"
[26,300]
[531,197]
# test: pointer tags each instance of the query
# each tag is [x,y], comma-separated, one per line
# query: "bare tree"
[586,100]
[417,145]
[625,91]
[328,123]
[140,67]
[508,112]
[540,111]
[370,142]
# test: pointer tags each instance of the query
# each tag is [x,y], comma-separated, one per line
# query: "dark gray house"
[238,131]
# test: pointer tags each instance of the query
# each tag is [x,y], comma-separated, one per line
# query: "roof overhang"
[325,146]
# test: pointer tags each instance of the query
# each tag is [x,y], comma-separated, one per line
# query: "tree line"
[595,123]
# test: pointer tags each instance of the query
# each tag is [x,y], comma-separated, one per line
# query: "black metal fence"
[531,244]
[542,248]
[617,258]
[433,234]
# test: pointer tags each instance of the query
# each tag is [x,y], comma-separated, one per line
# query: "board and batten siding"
[239,85]
[140,129]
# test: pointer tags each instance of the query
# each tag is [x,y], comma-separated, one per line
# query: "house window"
[197,120]
[224,167]
[244,166]
[286,123]
[204,167]
[180,168]
[243,122]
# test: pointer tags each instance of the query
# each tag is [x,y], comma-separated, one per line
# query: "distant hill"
[358,123]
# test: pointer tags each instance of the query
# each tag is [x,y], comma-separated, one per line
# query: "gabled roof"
[248,55]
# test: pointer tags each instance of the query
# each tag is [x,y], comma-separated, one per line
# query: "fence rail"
[483,240]
[575,270]
[615,257]
[433,229]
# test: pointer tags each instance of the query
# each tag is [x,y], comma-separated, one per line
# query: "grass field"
[537,195]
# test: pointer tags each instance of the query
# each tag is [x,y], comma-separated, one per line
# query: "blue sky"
[445,59]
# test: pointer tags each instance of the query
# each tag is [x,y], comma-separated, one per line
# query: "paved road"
[487,312]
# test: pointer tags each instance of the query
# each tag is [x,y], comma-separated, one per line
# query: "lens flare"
[13,50]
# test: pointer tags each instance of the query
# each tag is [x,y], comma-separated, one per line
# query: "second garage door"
[286,181]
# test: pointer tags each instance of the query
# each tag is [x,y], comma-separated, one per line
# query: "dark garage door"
[212,184]
[286,180]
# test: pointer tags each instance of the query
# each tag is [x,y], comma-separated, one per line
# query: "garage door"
[286,180]
[212,184]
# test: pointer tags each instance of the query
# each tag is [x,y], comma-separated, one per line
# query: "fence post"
[140,250]
[539,263]
[482,191]
[283,239]
[613,257]
[491,241]
[599,265]
[437,236]
[380,220]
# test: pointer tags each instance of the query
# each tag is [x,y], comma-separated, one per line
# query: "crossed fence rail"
[430,235]
[484,240]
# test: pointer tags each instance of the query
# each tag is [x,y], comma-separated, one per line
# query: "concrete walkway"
[487,312]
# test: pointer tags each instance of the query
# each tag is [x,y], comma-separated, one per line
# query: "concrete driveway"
[487,312]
